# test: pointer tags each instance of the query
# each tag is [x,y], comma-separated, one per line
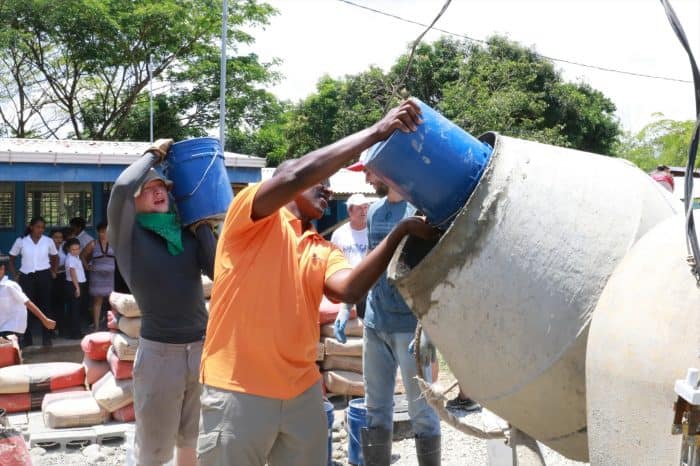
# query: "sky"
[317,37]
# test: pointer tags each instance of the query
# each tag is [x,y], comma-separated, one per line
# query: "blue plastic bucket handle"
[201,180]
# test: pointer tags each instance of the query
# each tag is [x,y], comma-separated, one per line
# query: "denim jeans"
[382,353]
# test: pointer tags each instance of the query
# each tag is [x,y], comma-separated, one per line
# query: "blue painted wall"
[71,173]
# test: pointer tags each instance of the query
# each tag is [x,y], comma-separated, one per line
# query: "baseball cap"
[358,199]
[360,164]
[153,175]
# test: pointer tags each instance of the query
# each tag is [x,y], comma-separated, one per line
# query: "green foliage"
[84,63]
[661,142]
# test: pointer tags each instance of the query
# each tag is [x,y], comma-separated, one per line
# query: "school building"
[62,179]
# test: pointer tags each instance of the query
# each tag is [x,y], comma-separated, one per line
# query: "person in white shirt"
[76,287]
[13,306]
[58,285]
[351,238]
[39,263]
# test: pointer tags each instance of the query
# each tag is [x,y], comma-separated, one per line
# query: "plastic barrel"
[328,407]
[201,186]
[357,419]
[436,167]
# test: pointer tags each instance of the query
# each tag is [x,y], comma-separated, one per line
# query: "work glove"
[428,354]
[340,321]
[160,147]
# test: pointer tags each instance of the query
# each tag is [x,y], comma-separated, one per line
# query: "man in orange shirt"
[261,401]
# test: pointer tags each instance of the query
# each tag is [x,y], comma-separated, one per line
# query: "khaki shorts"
[256,430]
[166,399]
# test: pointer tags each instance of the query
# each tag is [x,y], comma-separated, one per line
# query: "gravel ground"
[457,450]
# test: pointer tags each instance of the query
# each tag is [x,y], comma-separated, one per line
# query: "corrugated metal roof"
[344,182]
[92,152]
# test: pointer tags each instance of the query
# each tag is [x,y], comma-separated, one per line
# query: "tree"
[661,142]
[86,62]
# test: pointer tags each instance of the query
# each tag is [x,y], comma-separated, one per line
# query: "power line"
[479,41]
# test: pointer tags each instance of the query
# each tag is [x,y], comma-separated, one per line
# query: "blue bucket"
[357,419]
[435,168]
[328,407]
[201,186]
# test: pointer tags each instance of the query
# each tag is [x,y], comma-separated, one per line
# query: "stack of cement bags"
[24,386]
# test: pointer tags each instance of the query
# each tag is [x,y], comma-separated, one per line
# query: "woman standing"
[39,264]
[99,256]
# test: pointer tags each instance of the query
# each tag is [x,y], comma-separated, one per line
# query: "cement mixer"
[508,293]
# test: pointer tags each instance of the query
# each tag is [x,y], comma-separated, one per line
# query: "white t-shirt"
[352,242]
[13,310]
[85,239]
[35,256]
[74,262]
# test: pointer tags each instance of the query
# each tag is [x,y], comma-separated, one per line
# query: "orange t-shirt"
[263,319]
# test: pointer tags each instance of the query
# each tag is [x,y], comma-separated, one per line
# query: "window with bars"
[44,199]
[7,205]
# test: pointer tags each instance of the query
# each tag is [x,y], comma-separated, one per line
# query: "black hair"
[69,243]
[78,222]
[4,261]
[56,230]
[33,222]
[662,168]
[102,225]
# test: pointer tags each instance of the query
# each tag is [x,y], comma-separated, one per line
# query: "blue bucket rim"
[191,140]
[358,404]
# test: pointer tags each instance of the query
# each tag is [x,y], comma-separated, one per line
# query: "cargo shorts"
[166,399]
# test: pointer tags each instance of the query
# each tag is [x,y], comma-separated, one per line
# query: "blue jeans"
[382,353]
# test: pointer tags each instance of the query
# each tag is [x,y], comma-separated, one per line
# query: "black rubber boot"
[428,451]
[376,446]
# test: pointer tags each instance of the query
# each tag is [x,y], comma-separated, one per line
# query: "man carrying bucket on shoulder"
[262,401]
[162,262]
[388,339]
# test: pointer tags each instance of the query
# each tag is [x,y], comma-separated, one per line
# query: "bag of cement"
[41,377]
[342,363]
[320,351]
[130,325]
[207,285]
[353,347]
[113,394]
[10,353]
[125,414]
[72,409]
[22,402]
[124,346]
[94,370]
[353,328]
[124,304]
[95,345]
[344,383]
[120,369]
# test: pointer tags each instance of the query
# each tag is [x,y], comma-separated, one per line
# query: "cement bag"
[21,402]
[328,311]
[120,369]
[353,328]
[95,345]
[353,347]
[124,346]
[344,383]
[76,409]
[125,414]
[113,394]
[343,363]
[10,353]
[112,320]
[42,377]
[124,304]
[94,370]
[130,325]
[207,285]
[13,448]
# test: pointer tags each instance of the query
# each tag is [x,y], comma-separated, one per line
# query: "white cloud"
[315,37]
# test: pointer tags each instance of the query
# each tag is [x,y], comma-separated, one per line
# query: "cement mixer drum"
[508,292]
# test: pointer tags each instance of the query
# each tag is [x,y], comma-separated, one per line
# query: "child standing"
[13,307]
[76,286]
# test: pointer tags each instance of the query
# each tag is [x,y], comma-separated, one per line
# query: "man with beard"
[388,338]
[262,401]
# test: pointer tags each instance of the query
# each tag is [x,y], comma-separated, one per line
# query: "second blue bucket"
[357,419]
[435,168]
[201,186]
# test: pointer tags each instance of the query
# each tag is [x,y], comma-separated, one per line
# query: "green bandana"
[166,226]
